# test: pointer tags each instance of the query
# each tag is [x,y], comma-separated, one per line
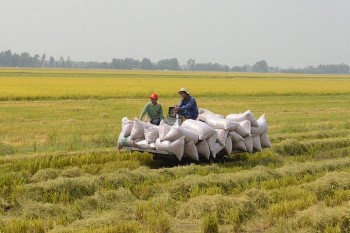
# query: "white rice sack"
[163,130]
[205,113]
[203,149]
[174,134]
[151,133]
[212,140]
[219,123]
[248,141]
[244,128]
[127,126]
[204,131]
[176,147]
[142,144]
[237,117]
[222,136]
[138,130]
[216,149]
[228,146]
[177,122]
[123,141]
[265,141]
[201,117]
[240,146]
[191,151]
[190,135]
[262,128]
[248,115]
[257,143]
[235,137]
[152,145]
[219,116]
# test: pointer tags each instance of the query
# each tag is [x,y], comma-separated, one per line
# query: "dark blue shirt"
[189,107]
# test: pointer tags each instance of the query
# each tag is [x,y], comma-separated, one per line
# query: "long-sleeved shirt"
[152,111]
[189,106]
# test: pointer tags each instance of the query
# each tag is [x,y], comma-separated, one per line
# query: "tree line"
[9,59]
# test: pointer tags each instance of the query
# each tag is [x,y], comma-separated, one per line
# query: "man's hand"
[176,109]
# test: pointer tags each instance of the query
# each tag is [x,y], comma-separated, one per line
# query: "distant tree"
[61,62]
[310,70]
[275,69]
[9,59]
[36,61]
[15,60]
[333,69]
[126,63]
[68,63]
[191,64]
[146,64]
[211,67]
[103,65]
[240,68]
[52,62]
[168,64]
[43,60]
[6,58]
[261,66]
[114,63]
[320,69]
[25,60]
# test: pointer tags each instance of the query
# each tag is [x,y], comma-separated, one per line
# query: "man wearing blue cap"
[187,106]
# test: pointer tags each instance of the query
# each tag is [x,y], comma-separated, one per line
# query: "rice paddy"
[60,170]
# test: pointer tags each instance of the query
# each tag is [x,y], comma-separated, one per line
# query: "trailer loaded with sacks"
[210,137]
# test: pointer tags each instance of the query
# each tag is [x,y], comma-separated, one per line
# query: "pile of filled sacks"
[208,136]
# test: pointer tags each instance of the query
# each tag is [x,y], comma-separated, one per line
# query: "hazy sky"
[233,32]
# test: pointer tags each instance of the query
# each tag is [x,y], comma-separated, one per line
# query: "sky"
[285,33]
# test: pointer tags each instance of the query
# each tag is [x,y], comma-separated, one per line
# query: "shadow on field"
[245,160]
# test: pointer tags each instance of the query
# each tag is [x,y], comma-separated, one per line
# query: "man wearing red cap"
[153,109]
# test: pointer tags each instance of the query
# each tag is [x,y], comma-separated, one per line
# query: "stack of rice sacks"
[211,134]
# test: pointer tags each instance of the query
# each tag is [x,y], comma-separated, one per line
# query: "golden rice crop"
[64,84]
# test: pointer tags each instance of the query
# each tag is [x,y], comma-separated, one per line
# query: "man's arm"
[177,108]
[143,113]
[181,103]
[161,113]
[188,105]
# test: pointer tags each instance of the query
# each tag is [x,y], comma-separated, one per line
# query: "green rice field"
[60,170]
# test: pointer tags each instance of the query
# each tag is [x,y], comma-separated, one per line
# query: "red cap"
[154,96]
